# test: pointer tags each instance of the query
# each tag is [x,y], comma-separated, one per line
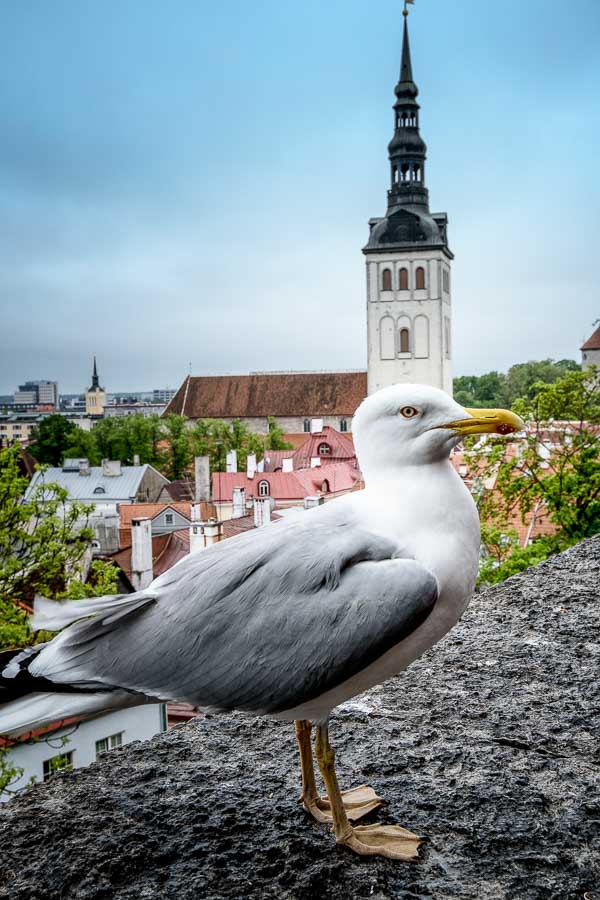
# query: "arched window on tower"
[403,279]
[404,340]
[386,280]
[405,172]
[420,279]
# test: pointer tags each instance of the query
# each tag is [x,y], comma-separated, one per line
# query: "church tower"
[409,310]
[95,396]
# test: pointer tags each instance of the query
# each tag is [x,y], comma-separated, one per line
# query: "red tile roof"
[270,394]
[286,486]
[341,447]
[593,342]
[167,549]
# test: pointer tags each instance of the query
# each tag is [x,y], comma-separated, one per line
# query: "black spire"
[407,149]
[95,379]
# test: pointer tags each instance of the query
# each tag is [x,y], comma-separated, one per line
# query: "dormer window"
[100,490]
[324,450]
[264,489]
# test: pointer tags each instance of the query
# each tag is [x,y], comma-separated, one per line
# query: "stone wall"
[488,746]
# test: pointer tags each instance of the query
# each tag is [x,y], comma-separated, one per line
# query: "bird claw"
[383,840]
[358,802]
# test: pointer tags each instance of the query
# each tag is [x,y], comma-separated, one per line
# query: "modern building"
[590,352]
[162,395]
[37,393]
[138,408]
[17,427]
[95,396]
[409,312]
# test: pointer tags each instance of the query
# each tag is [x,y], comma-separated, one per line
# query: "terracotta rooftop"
[341,448]
[167,549]
[287,486]
[593,343]
[270,394]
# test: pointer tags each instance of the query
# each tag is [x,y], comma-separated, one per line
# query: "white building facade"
[79,745]
[409,279]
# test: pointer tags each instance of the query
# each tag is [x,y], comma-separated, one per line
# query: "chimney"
[196,537]
[196,512]
[262,511]
[288,465]
[316,426]
[84,467]
[232,462]
[213,532]
[239,503]
[261,466]
[141,553]
[311,502]
[251,465]
[202,471]
[136,459]
[111,468]
[315,462]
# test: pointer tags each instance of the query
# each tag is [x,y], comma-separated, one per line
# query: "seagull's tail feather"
[35,689]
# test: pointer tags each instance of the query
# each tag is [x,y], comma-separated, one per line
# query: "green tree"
[43,540]
[51,439]
[9,773]
[215,438]
[555,466]
[178,454]
[496,389]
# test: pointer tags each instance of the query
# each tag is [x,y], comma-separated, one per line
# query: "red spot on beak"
[505,429]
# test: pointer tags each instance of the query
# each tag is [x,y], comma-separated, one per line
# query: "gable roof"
[270,394]
[593,342]
[121,487]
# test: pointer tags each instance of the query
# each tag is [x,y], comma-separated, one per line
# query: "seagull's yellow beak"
[487,421]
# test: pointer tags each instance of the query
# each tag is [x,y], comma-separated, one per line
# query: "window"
[324,450]
[386,280]
[325,487]
[307,426]
[344,425]
[264,489]
[168,518]
[404,340]
[446,280]
[99,490]
[387,338]
[403,279]
[420,279]
[57,764]
[109,743]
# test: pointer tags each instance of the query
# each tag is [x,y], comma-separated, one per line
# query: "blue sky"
[190,183]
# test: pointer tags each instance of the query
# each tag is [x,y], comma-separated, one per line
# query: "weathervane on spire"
[406,3]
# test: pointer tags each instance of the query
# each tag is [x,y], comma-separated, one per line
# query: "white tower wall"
[426,315]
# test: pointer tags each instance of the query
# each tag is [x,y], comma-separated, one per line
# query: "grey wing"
[266,622]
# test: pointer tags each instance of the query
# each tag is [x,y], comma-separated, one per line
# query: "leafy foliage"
[496,389]
[9,773]
[43,541]
[554,468]
[215,438]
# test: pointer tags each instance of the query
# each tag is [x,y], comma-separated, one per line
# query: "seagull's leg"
[367,840]
[358,802]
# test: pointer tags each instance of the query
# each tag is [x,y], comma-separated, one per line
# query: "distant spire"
[95,380]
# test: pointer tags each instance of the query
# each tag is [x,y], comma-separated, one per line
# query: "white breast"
[432,517]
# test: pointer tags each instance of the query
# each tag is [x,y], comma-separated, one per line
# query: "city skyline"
[194,188]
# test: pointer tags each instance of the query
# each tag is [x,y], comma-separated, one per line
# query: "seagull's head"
[414,424]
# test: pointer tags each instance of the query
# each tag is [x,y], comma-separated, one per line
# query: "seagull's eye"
[409,412]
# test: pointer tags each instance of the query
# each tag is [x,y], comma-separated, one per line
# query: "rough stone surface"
[488,746]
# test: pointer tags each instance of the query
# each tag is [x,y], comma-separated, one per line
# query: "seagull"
[291,620]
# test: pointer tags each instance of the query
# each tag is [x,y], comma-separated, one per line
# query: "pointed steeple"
[407,149]
[95,379]
[406,74]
